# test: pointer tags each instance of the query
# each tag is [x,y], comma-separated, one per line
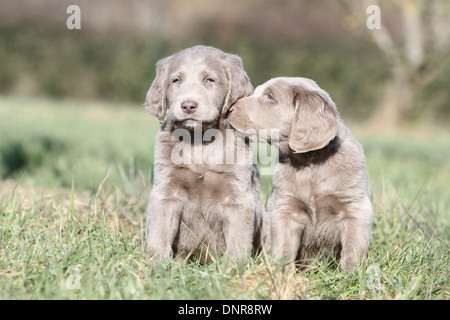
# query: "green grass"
[74,185]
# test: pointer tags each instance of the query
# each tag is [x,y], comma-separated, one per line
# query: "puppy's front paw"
[156,257]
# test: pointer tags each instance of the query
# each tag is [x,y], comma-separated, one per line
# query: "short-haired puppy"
[320,202]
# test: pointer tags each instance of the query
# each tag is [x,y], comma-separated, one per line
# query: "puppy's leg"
[163,222]
[239,231]
[286,233]
[262,230]
[355,234]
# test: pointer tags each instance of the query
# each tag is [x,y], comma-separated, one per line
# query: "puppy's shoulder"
[349,145]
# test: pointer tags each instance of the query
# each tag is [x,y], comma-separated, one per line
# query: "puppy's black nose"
[189,106]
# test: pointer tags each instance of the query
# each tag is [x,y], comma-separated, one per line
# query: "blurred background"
[113,56]
[73,98]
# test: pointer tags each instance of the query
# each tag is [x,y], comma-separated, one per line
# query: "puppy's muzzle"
[189,106]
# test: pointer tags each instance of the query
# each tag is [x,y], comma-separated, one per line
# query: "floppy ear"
[315,121]
[155,100]
[239,84]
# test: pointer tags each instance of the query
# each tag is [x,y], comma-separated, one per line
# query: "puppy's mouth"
[271,136]
[192,124]
[239,132]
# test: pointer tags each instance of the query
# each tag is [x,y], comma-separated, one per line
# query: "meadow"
[74,184]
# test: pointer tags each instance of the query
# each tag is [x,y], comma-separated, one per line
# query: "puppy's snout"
[189,106]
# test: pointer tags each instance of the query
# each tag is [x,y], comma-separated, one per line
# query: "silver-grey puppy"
[203,204]
[320,203]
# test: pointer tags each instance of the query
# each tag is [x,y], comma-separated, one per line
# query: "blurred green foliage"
[42,61]
[81,65]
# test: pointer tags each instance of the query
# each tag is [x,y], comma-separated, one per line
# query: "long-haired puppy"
[320,202]
[203,202]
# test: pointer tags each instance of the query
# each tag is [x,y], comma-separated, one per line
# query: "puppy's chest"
[315,193]
[301,184]
[222,150]
[202,185]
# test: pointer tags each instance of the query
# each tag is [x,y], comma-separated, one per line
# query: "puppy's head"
[297,109]
[195,86]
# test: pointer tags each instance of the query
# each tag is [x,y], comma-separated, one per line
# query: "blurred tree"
[415,53]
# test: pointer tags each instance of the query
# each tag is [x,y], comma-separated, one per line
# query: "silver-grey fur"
[320,203]
[201,209]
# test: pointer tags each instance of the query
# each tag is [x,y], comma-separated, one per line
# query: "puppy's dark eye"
[176,80]
[209,80]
